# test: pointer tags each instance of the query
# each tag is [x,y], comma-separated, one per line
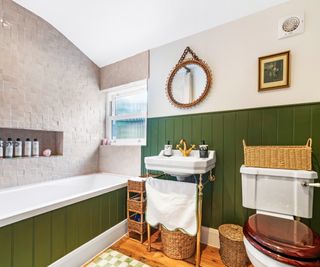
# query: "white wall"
[232,51]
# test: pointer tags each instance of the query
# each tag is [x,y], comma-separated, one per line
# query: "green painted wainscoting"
[224,131]
[43,239]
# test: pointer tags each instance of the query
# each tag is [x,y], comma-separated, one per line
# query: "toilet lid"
[283,236]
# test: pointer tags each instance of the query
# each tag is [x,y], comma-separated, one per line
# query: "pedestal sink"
[180,166]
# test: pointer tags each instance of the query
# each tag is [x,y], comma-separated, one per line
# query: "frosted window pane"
[129,129]
[131,104]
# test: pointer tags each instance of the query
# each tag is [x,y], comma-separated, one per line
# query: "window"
[127,114]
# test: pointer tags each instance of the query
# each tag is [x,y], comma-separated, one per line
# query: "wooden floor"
[209,255]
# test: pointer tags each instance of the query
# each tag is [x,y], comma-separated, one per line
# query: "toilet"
[274,236]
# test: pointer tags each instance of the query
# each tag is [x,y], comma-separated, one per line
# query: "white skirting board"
[88,250]
[210,237]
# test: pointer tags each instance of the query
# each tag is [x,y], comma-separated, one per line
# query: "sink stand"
[200,199]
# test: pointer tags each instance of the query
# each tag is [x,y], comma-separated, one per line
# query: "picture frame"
[274,71]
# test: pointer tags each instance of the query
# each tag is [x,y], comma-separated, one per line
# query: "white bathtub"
[22,202]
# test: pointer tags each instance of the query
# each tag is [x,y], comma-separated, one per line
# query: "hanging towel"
[172,204]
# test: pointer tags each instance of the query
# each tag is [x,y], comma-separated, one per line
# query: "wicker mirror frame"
[181,64]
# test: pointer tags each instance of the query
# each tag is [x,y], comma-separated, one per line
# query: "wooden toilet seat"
[287,241]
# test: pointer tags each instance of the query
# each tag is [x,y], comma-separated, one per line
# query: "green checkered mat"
[112,258]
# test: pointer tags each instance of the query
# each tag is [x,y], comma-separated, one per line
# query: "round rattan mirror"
[189,82]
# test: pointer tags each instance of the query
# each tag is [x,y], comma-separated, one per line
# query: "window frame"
[125,90]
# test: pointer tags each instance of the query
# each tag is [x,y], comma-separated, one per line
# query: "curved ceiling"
[111,30]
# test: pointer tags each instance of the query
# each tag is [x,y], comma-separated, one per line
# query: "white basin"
[180,166]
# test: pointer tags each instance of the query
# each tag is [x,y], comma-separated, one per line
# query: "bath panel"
[41,240]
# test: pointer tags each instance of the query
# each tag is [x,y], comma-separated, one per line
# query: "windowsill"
[119,144]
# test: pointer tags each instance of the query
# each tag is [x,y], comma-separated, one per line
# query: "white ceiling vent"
[290,26]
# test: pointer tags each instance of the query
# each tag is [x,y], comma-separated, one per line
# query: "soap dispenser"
[203,150]
[167,150]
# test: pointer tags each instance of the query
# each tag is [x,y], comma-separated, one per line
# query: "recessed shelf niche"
[47,139]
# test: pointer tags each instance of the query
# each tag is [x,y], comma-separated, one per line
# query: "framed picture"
[274,71]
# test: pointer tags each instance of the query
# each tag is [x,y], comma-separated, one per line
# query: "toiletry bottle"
[203,150]
[27,148]
[9,148]
[167,150]
[35,148]
[18,148]
[1,148]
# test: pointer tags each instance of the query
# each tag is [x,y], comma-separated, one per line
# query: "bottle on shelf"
[18,148]
[1,148]
[9,148]
[27,148]
[35,148]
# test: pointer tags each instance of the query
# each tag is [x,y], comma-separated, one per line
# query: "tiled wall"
[120,159]
[46,83]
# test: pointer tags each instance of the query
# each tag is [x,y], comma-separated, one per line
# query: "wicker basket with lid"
[177,245]
[232,250]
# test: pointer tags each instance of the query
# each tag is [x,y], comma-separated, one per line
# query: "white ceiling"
[111,30]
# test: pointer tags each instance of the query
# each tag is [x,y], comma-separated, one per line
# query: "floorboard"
[209,255]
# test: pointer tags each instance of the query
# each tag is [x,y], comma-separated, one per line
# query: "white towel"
[172,204]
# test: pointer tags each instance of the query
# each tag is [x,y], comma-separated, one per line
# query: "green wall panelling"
[224,131]
[41,240]
[23,243]
[58,234]
[113,208]
[105,211]
[122,203]
[217,196]
[72,226]
[42,244]
[229,167]
[6,245]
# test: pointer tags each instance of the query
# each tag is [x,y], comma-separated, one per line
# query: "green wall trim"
[41,240]
[224,131]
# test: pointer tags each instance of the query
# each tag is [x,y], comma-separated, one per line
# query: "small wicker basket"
[139,186]
[279,157]
[177,245]
[136,206]
[232,250]
[138,227]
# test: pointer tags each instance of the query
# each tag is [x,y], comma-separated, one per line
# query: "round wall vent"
[290,26]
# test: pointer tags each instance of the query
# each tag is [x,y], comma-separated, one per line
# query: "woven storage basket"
[138,186]
[137,206]
[177,245]
[138,227]
[232,250]
[278,157]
